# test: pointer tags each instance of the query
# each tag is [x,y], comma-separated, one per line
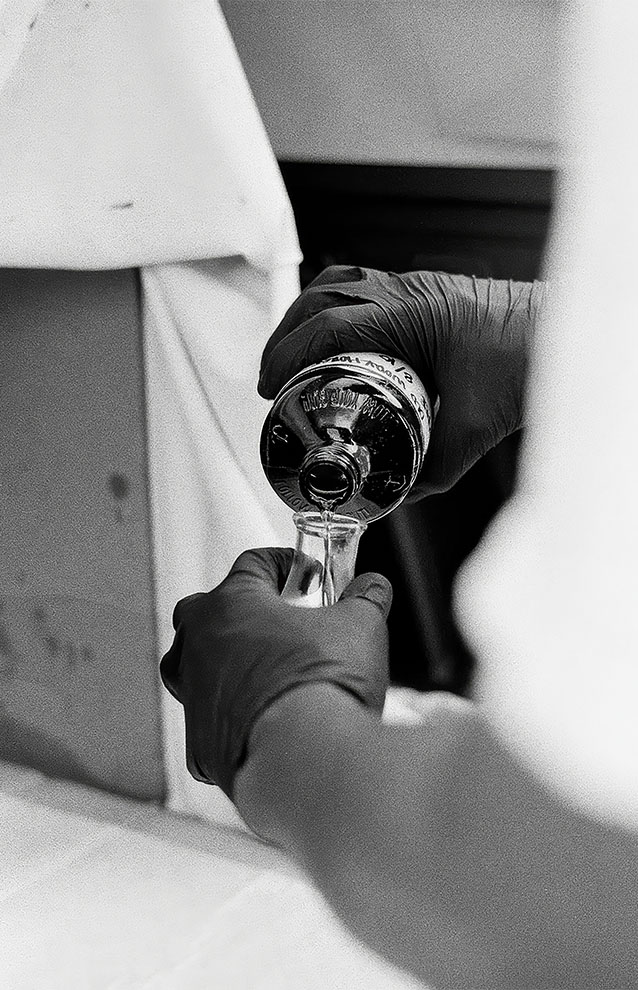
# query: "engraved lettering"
[330,398]
[374,410]
[289,496]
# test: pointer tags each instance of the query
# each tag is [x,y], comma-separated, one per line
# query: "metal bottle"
[347,435]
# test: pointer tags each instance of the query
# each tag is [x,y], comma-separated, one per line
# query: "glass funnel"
[324,559]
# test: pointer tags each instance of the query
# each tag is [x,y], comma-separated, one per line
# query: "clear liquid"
[327,577]
[324,560]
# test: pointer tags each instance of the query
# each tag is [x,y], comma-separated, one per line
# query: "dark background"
[486,222]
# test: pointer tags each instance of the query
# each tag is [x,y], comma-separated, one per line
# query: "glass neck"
[324,559]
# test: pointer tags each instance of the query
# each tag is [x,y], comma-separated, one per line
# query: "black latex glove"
[239,647]
[467,339]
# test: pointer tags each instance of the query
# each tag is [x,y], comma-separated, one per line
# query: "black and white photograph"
[318,495]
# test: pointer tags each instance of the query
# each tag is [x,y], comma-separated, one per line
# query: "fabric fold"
[204,326]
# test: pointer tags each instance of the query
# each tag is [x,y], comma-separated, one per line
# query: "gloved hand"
[467,339]
[239,647]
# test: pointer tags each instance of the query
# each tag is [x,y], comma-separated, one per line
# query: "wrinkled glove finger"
[336,274]
[336,287]
[364,327]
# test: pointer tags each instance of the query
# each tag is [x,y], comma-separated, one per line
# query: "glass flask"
[324,559]
[347,434]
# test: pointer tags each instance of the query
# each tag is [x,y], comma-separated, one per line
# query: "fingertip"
[267,565]
[183,604]
[374,588]
[336,274]
[264,389]
[170,665]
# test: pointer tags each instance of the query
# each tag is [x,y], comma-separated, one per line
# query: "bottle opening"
[329,482]
[330,476]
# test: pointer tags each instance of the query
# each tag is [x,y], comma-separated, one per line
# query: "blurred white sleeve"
[549,600]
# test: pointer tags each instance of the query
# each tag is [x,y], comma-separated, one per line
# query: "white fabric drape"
[130,137]
[204,326]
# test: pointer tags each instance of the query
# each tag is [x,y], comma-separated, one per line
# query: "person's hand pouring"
[467,339]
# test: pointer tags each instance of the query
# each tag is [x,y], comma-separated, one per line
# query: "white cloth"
[205,324]
[549,600]
[99,893]
[129,136]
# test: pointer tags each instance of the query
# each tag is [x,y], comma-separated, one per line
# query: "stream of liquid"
[327,577]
